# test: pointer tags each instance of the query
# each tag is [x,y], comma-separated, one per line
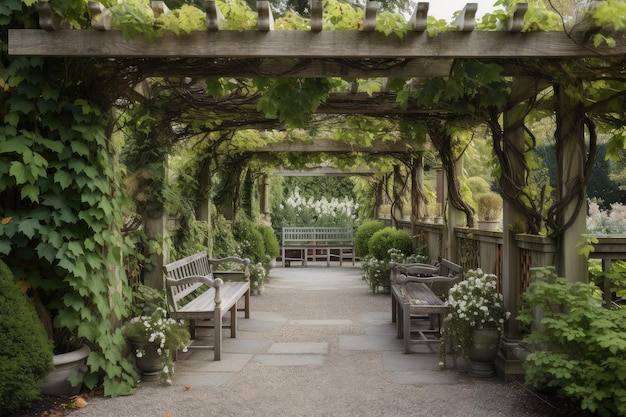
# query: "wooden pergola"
[364,53]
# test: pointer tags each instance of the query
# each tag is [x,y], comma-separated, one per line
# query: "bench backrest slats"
[192,265]
[317,235]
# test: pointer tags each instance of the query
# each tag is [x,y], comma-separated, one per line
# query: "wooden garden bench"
[421,294]
[317,243]
[195,294]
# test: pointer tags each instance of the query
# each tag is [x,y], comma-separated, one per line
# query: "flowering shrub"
[475,303]
[376,272]
[299,211]
[168,334]
[606,222]
[258,273]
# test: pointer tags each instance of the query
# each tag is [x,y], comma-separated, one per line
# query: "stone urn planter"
[489,225]
[483,353]
[150,363]
[65,366]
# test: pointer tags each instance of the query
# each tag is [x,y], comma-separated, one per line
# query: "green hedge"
[25,351]
[363,234]
[389,238]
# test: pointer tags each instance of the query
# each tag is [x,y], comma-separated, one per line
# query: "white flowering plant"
[157,329]
[475,303]
[376,272]
[606,222]
[297,210]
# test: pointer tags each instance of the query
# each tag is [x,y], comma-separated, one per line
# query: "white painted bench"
[194,294]
[416,291]
[317,243]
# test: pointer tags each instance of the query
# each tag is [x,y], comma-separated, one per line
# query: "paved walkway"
[319,343]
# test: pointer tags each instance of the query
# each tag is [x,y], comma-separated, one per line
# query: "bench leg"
[192,329]
[247,304]
[393,308]
[233,321]
[218,335]
[406,324]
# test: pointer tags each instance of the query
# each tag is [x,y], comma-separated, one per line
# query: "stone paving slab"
[349,342]
[328,322]
[398,361]
[245,345]
[299,348]
[201,360]
[289,360]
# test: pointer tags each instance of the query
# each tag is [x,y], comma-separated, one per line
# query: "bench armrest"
[233,259]
[414,269]
[189,281]
[439,284]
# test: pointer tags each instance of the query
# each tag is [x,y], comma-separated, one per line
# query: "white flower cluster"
[476,301]
[311,212]
[606,222]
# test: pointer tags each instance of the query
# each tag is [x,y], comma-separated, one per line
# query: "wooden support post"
[455,218]
[155,228]
[507,364]
[571,156]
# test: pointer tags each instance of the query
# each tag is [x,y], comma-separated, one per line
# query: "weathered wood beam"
[49,19]
[305,44]
[266,19]
[331,146]
[515,23]
[295,67]
[466,20]
[317,12]
[101,17]
[419,19]
[369,16]
[214,17]
[324,172]
[159,8]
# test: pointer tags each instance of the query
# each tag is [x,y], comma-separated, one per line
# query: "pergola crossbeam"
[330,146]
[306,44]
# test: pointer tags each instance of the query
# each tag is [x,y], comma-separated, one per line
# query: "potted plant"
[489,210]
[154,338]
[474,324]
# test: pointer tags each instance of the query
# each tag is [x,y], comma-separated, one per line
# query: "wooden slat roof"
[322,53]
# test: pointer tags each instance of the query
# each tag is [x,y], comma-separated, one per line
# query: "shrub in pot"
[25,351]
[489,206]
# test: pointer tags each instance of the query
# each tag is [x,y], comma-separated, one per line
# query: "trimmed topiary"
[363,234]
[249,239]
[272,248]
[25,351]
[389,238]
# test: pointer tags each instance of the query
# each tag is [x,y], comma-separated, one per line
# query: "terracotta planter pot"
[65,365]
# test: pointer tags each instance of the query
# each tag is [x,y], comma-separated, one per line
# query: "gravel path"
[345,380]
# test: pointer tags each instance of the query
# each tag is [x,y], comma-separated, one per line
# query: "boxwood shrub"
[389,238]
[363,234]
[25,351]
